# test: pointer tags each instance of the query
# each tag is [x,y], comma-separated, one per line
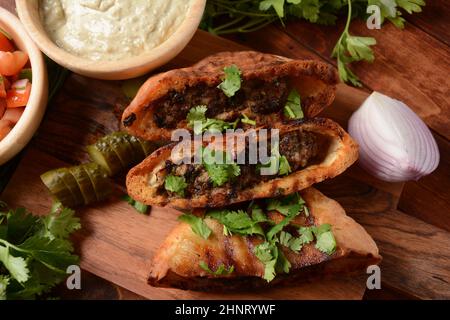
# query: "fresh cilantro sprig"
[238,222]
[232,81]
[198,121]
[35,251]
[231,16]
[175,184]
[198,225]
[221,270]
[220,169]
[352,48]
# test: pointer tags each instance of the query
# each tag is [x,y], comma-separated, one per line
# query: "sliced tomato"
[13,114]
[19,94]
[5,44]
[4,86]
[12,62]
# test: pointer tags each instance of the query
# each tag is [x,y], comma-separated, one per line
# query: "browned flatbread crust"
[342,152]
[316,82]
[176,263]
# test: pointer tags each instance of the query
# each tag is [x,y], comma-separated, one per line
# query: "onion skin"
[395,145]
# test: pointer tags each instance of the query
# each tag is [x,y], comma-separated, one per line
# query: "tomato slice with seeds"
[12,62]
[19,94]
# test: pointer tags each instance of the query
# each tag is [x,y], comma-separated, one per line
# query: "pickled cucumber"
[99,179]
[85,184]
[119,151]
[105,156]
[53,180]
[78,185]
[71,183]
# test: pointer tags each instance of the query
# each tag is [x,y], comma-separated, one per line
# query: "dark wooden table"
[412,65]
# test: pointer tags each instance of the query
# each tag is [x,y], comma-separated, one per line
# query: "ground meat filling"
[298,147]
[263,97]
[301,148]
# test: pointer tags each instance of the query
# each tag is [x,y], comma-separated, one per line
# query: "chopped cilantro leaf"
[283,205]
[293,107]
[306,234]
[219,173]
[139,206]
[197,120]
[175,184]
[232,81]
[221,270]
[238,222]
[267,253]
[284,167]
[294,210]
[197,224]
[326,242]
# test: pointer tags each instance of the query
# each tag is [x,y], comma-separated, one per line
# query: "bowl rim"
[113,70]
[34,111]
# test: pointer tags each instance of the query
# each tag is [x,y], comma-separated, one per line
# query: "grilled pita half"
[164,100]
[177,263]
[316,149]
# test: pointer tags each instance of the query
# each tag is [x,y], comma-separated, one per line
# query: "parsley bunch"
[231,16]
[34,251]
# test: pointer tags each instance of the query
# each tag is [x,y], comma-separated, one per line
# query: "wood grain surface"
[410,222]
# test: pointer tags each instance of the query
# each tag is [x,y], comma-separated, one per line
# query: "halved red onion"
[394,143]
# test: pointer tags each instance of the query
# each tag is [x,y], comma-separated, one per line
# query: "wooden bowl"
[111,70]
[28,123]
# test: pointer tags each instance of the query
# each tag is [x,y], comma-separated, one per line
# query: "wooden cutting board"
[117,243]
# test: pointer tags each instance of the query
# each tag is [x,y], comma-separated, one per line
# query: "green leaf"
[359,49]
[267,253]
[4,282]
[196,114]
[306,235]
[220,170]
[175,184]
[197,224]
[293,108]
[294,210]
[283,264]
[16,266]
[238,222]
[278,5]
[232,81]
[411,6]
[60,223]
[221,270]
[54,253]
[21,224]
[197,120]
[326,242]
[284,167]
[258,214]
[139,206]
[284,204]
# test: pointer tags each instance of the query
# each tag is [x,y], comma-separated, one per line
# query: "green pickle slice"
[105,156]
[54,181]
[99,179]
[85,184]
[122,147]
